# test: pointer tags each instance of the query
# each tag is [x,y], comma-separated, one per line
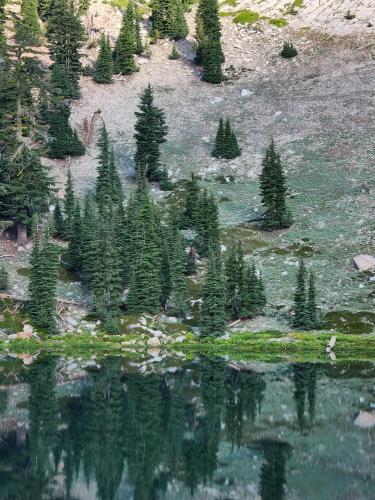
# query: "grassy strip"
[256,346]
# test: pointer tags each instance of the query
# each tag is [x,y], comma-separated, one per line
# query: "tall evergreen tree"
[65,37]
[208,34]
[300,319]
[25,188]
[150,132]
[178,263]
[234,265]
[104,64]
[144,253]
[191,204]
[206,224]
[42,284]
[168,19]
[60,83]
[29,21]
[213,315]
[125,49]
[253,298]
[69,205]
[232,149]
[165,269]
[58,221]
[74,256]
[64,141]
[89,242]
[106,281]
[133,19]
[273,191]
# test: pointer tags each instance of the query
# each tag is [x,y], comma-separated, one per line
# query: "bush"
[87,70]
[174,55]
[349,16]
[288,50]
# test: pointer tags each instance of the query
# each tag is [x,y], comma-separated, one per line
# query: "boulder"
[246,93]
[365,419]
[364,262]
[24,335]
[153,342]
[27,328]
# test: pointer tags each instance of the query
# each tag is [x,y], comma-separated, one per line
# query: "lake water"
[197,429]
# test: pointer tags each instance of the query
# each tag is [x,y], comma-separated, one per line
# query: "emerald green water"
[174,429]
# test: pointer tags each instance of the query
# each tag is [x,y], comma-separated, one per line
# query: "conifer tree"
[178,263]
[29,21]
[42,284]
[4,279]
[273,191]
[106,284]
[58,221]
[64,141]
[165,270]
[65,37]
[89,242]
[219,148]
[69,205]
[208,34]
[206,224]
[133,19]
[300,319]
[232,149]
[125,49]
[234,265]
[25,188]
[311,307]
[179,28]
[253,298]
[104,64]
[213,314]
[144,253]
[150,132]
[61,84]
[2,27]
[74,257]
[191,205]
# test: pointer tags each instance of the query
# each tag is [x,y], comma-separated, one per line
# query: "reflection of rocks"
[365,419]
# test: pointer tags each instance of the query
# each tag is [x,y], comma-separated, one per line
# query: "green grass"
[246,17]
[278,22]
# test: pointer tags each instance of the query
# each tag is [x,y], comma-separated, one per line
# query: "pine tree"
[108,184]
[65,36]
[174,55]
[106,281]
[69,205]
[104,64]
[144,253]
[61,84]
[42,285]
[253,298]
[89,242]
[179,28]
[206,224]
[234,264]
[125,49]
[150,132]
[213,315]
[208,34]
[231,148]
[64,141]
[300,319]
[74,256]
[3,17]
[29,21]
[178,262]
[59,230]
[191,205]
[311,307]
[219,148]
[273,191]
[165,270]
[4,279]
[133,20]
[25,187]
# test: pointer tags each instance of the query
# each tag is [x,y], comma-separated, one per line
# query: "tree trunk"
[21,233]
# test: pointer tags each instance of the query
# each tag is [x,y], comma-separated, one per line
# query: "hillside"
[319,107]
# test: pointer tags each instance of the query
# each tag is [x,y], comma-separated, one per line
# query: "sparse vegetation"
[288,51]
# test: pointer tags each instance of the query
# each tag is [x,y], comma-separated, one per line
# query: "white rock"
[27,328]
[72,321]
[365,419]
[246,92]
[179,339]
[153,342]
[364,262]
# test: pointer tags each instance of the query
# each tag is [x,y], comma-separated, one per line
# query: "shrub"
[174,55]
[288,50]
[349,16]
[4,279]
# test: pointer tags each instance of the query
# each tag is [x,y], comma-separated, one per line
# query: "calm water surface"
[196,429]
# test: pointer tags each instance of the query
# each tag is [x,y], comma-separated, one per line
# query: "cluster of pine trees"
[305,307]
[226,145]
[208,34]
[168,19]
